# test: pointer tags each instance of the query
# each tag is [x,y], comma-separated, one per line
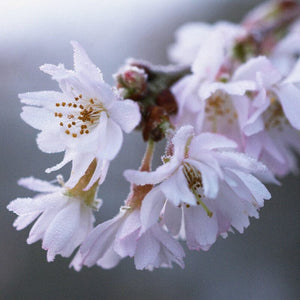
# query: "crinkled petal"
[24,206]
[147,250]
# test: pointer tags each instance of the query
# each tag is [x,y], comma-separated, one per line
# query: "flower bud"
[133,81]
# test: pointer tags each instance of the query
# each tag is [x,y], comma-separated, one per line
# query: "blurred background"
[262,263]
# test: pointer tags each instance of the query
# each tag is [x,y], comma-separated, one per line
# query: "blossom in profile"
[217,187]
[85,119]
[121,236]
[62,218]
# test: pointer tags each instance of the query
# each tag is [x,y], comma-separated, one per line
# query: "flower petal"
[289,96]
[126,113]
[38,185]
[151,208]
[83,65]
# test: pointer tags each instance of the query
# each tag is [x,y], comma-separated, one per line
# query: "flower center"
[274,117]
[219,108]
[79,116]
[194,180]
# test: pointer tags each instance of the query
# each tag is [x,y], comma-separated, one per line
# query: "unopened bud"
[133,81]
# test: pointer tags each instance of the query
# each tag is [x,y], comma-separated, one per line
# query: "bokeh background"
[262,263]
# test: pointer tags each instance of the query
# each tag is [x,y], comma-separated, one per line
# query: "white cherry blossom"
[85,120]
[62,220]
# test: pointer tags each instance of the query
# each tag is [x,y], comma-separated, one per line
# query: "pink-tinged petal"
[172,217]
[210,141]
[289,96]
[23,221]
[238,88]
[151,208]
[49,141]
[100,240]
[38,185]
[83,65]
[241,105]
[131,223]
[128,234]
[257,189]
[127,245]
[43,98]
[147,250]
[76,262]
[209,178]
[262,65]
[201,230]
[294,76]
[176,189]
[234,209]
[180,140]
[61,230]
[168,242]
[253,145]
[160,174]
[126,113]
[109,260]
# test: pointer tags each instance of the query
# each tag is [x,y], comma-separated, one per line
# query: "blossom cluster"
[228,109]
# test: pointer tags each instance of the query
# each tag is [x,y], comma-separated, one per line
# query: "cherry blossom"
[85,120]
[63,220]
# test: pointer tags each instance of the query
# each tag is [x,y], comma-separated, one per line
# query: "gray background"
[262,263]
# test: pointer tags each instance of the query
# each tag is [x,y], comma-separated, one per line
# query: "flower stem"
[138,192]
